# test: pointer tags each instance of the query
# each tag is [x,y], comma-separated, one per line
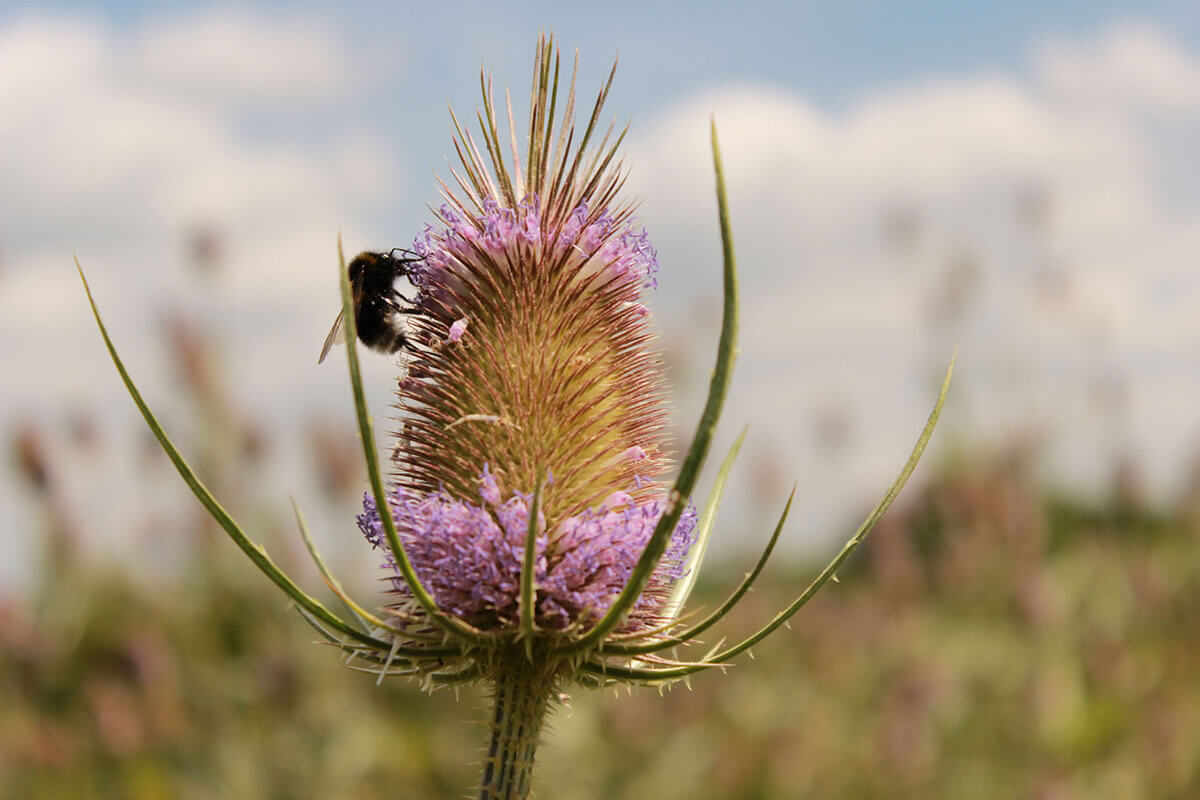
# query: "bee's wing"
[337,335]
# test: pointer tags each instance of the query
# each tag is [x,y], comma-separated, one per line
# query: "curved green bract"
[255,552]
[453,626]
[528,588]
[323,568]
[365,618]
[859,535]
[683,637]
[704,528]
[350,649]
[694,460]
[648,676]
[721,659]
[453,678]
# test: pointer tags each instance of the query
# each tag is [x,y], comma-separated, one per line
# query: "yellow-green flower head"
[533,366]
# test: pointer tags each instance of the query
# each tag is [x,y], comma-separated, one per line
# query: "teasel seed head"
[533,368]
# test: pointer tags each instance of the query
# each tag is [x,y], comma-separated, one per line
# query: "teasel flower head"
[531,371]
[534,529]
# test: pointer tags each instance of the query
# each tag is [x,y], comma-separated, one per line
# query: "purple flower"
[533,369]
[469,556]
[554,375]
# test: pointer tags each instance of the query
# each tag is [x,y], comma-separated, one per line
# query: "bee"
[377,304]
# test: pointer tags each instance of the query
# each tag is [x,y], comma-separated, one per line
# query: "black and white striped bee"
[379,308]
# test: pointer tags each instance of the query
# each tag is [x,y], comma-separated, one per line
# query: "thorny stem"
[521,698]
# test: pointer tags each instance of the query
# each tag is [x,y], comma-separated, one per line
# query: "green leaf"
[366,618]
[640,674]
[348,648]
[528,570]
[644,676]
[859,535]
[704,527]
[255,552]
[322,567]
[452,625]
[683,637]
[694,460]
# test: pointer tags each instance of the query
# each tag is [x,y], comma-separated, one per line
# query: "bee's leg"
[406,258]
[396,308]
[393,303]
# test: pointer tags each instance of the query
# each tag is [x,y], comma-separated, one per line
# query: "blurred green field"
[990,640]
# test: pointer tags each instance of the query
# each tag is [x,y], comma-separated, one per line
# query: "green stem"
[521,702]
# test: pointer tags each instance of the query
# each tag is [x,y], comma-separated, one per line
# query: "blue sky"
[831,52]
[279,124]
[827,49]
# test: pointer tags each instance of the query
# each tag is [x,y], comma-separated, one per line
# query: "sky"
[1017,180]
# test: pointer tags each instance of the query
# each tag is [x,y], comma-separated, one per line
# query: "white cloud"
[1036,203]
[1035,218]
[118,145]
[233,56]
[105,159]
[1135,66]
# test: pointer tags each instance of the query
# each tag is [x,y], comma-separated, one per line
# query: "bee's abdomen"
[379,326]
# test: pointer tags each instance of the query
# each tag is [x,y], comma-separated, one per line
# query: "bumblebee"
[379,309]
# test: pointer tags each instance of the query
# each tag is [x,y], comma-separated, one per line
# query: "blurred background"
[1020,180]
